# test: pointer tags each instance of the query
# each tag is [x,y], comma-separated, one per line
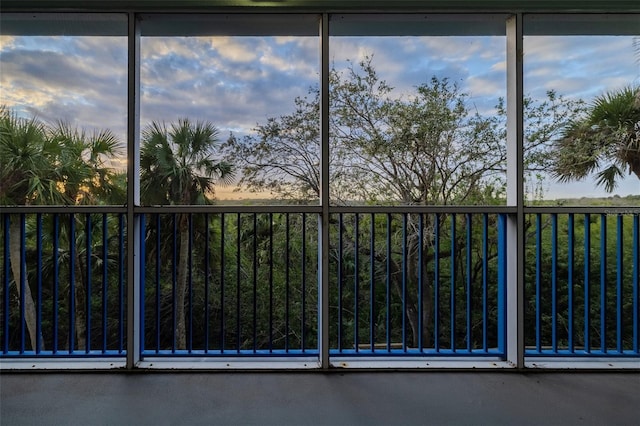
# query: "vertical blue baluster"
[174,279]
[502,281]
[388,283]
[340,276]
[420,280]
[485,287]
[238,271]
[587,267]
[570,261]
[5,300]
[72,278]
[222,284]
[88,238]
[304,279]
[436,282]
[636,283]
[287,257]
[56,279]
[142,260]
[538,282]
[23,277]
[105,264]
[121,282]
[158,287]
[453,283]
[270,282]
[404,282]
[554,282]
[207,273]
[190,285]
[39,283]
[469,310]
[619,306]
[356,280]
[603,283]
[255,281]
[372,283]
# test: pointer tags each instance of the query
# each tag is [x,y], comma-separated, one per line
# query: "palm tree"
[605,142]
[28,175]
[86,165]
[177,168]
[86,177]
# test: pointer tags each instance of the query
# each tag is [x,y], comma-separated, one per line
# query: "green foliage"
[590,271]
[28,160]
[605,141]
[51,165]
[253,283]
[248,281]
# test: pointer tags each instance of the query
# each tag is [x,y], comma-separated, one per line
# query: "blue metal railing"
[249,281]
[244,281]
[424,283]
[63,283]
[583,298]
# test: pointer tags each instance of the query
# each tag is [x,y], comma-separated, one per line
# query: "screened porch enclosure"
[344,211]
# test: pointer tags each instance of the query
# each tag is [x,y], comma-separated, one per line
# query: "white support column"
[323,241]
[133,195]
[515,194]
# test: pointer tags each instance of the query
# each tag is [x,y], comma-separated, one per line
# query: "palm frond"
[609,177]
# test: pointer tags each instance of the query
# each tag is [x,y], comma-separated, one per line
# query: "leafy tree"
[178,168]
[545,121]
[284,156]
[605,141]
[426,148]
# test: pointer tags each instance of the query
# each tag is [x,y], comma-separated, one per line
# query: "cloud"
[221,85]
[579,66]
[6,42]
[235,49]
[79,80]
[476,64]
[153,48]
[499,66]
[490,85]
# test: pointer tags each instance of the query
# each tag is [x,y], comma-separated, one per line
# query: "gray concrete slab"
[352,398]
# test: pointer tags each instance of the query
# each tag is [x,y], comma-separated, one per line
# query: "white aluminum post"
[515,195]
[133,195]
[323,242]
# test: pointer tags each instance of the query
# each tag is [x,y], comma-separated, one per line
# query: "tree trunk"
[30,317]
[183,274]
[80,302]
[413,314]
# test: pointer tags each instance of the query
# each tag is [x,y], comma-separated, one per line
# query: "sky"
[237,82]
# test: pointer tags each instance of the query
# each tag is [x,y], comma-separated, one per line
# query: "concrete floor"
[297,398]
